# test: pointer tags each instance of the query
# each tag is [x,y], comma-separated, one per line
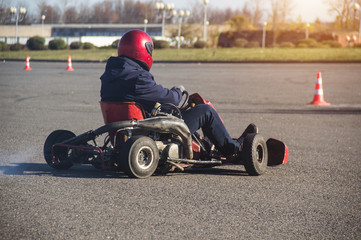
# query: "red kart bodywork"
[277,152]
[120,111]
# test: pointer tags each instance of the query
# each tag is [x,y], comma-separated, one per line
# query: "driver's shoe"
[252,128]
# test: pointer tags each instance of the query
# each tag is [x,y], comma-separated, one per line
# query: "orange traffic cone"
[70,67]
[318,96]
[27,64]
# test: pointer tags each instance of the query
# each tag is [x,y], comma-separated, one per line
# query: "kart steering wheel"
[169,108]
[173,109]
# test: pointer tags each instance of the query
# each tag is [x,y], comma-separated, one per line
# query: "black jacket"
[124,80]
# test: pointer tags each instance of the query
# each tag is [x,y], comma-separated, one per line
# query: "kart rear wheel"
[255,154]
[139,157]
[61,155]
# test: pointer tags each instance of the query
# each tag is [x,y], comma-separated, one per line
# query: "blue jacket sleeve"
[148,90]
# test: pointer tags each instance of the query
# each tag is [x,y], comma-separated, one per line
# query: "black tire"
[139,157]
[255,154]
[61,154]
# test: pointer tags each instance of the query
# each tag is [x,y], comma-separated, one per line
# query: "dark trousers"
[206,118]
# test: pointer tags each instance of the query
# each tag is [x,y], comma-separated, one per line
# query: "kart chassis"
[157,144]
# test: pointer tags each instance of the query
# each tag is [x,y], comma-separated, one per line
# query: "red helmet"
[138,45]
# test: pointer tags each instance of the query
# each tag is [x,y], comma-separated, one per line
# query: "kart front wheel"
[139,157]
[255,154]
[60,159]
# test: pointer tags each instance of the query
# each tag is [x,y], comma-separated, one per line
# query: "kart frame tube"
[162,124]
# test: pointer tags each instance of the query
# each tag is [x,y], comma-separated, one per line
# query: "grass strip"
[210,54]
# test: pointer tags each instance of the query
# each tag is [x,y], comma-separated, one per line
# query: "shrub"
[240,42]
[57,44]
[321,45]
[302,45]
[3,46]
[315,45]
[199,44]
[253,44]
[357,45]
[115,44]
[332,43]
[75,45]
[310,42]
[287,45]
[88,45]
[159,44]
[36,43]
[15,47]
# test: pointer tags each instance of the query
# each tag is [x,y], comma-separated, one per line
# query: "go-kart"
[141,146]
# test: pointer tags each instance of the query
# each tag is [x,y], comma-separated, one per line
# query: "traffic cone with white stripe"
[318,96]
[27,64]
[70,67]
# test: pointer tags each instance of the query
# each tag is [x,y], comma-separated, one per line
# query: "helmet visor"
[149,47]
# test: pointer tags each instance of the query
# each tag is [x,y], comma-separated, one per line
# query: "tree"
[257,12]
[286,7]
[238,23]
[280,9]
[84,13]
[102,12]
[71,15]
[344,12]
[52,14]
[197,13]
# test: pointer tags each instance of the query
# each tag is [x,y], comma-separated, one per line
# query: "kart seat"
[120,111]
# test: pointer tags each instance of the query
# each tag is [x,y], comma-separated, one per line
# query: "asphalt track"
[316,195]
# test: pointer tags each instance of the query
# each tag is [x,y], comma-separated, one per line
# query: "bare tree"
[246,11]
[51,13]
[286,7]
[257,12]
[84,13]
[343,10]
[118,7]
[102,12]
[197,13]
[133,12]
[71,15]
[280,9]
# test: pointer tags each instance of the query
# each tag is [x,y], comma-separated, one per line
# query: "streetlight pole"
[165,10]
[181,13]
[359,28]
[180,16]
[307,26]
[42,25]
[205,21]
[264,35]
[145,25]
[19,14]
[357,7]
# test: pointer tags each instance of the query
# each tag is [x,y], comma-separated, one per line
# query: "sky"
[309,10]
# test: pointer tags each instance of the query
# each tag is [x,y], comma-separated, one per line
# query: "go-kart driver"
[127,79]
